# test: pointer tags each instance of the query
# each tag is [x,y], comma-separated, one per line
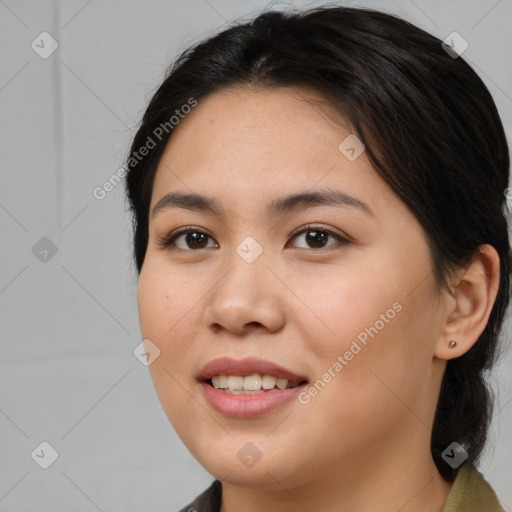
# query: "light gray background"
[69,326]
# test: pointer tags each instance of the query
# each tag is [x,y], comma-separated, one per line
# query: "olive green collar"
[471,493]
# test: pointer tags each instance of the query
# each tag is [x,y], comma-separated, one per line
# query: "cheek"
[162,307]
[165,308]
[162,302]
[367,339]
[359,301]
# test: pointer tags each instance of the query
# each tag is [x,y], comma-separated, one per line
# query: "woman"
[323,258]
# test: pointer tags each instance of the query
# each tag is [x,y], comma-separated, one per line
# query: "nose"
[249,296]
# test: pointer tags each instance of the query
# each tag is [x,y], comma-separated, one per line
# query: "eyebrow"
[277,207]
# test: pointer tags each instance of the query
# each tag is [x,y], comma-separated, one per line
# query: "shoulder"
[208,501]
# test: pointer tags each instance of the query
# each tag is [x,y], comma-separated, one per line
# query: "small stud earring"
[452,344]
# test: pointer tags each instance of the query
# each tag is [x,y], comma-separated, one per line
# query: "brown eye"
[317,238]
[187,239]
[191,238]
[196,240]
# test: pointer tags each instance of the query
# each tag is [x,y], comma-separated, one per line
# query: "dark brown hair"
[431,130]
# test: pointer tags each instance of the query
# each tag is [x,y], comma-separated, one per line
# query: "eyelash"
[168,242]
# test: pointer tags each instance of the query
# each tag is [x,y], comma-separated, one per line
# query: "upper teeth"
[254,382]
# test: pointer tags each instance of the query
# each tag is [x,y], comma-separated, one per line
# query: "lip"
[252,405]
[247,366]
[248,406]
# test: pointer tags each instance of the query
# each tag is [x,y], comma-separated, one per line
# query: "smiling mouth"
[251,384]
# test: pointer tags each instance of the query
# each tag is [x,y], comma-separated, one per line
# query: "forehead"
[263,143]
[260,122]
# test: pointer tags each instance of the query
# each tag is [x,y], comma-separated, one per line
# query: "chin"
[230,461]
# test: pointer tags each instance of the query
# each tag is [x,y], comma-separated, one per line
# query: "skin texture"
[363,442]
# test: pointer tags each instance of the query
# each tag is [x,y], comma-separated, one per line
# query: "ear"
[467,311]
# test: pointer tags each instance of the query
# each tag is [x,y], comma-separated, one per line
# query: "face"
[333,295]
